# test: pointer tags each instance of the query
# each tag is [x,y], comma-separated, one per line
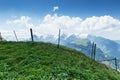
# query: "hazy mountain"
[76,42]
[106,46]
[118,41]
[106,49]
[109,47]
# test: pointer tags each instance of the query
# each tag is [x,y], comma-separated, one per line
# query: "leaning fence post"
[31,32]
[15,35]
[59,39]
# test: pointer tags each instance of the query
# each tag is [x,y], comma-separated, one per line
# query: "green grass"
[44,61]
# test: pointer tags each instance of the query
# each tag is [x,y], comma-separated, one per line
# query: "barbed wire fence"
[113,62]
[30,35]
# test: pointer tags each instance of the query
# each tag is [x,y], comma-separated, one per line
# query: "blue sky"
[94,17]
[82,8]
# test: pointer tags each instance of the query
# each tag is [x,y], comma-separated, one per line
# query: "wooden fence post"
[15,35]
[31,32]
[0,37]
[94,51]
[116,63]
[59,38]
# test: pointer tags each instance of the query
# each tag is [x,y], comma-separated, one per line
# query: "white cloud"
[20,24]
[55,8]
[105,26]
[22,20]
[53,23]
[98,23]
[75,25]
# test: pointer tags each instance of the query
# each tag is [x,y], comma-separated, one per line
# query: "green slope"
[44,61]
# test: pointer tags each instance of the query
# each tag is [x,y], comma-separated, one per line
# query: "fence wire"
[24,35]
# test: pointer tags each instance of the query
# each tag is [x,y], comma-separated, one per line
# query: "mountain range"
[109,47]
[106,49]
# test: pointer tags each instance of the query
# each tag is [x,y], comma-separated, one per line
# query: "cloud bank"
[105,26]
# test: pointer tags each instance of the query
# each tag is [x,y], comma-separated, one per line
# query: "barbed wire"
[25,35]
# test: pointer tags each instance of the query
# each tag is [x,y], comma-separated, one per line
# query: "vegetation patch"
[44,61]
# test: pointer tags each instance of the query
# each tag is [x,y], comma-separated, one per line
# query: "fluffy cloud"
[55,8]
[98,23]
[78,24]
[105,26]
[22,20]
[55,22]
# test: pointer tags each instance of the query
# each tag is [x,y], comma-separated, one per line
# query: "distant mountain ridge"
[118,41]
[73,41]
[106,49]
[109,47]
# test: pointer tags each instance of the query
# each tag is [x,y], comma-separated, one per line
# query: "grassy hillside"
[44,61]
